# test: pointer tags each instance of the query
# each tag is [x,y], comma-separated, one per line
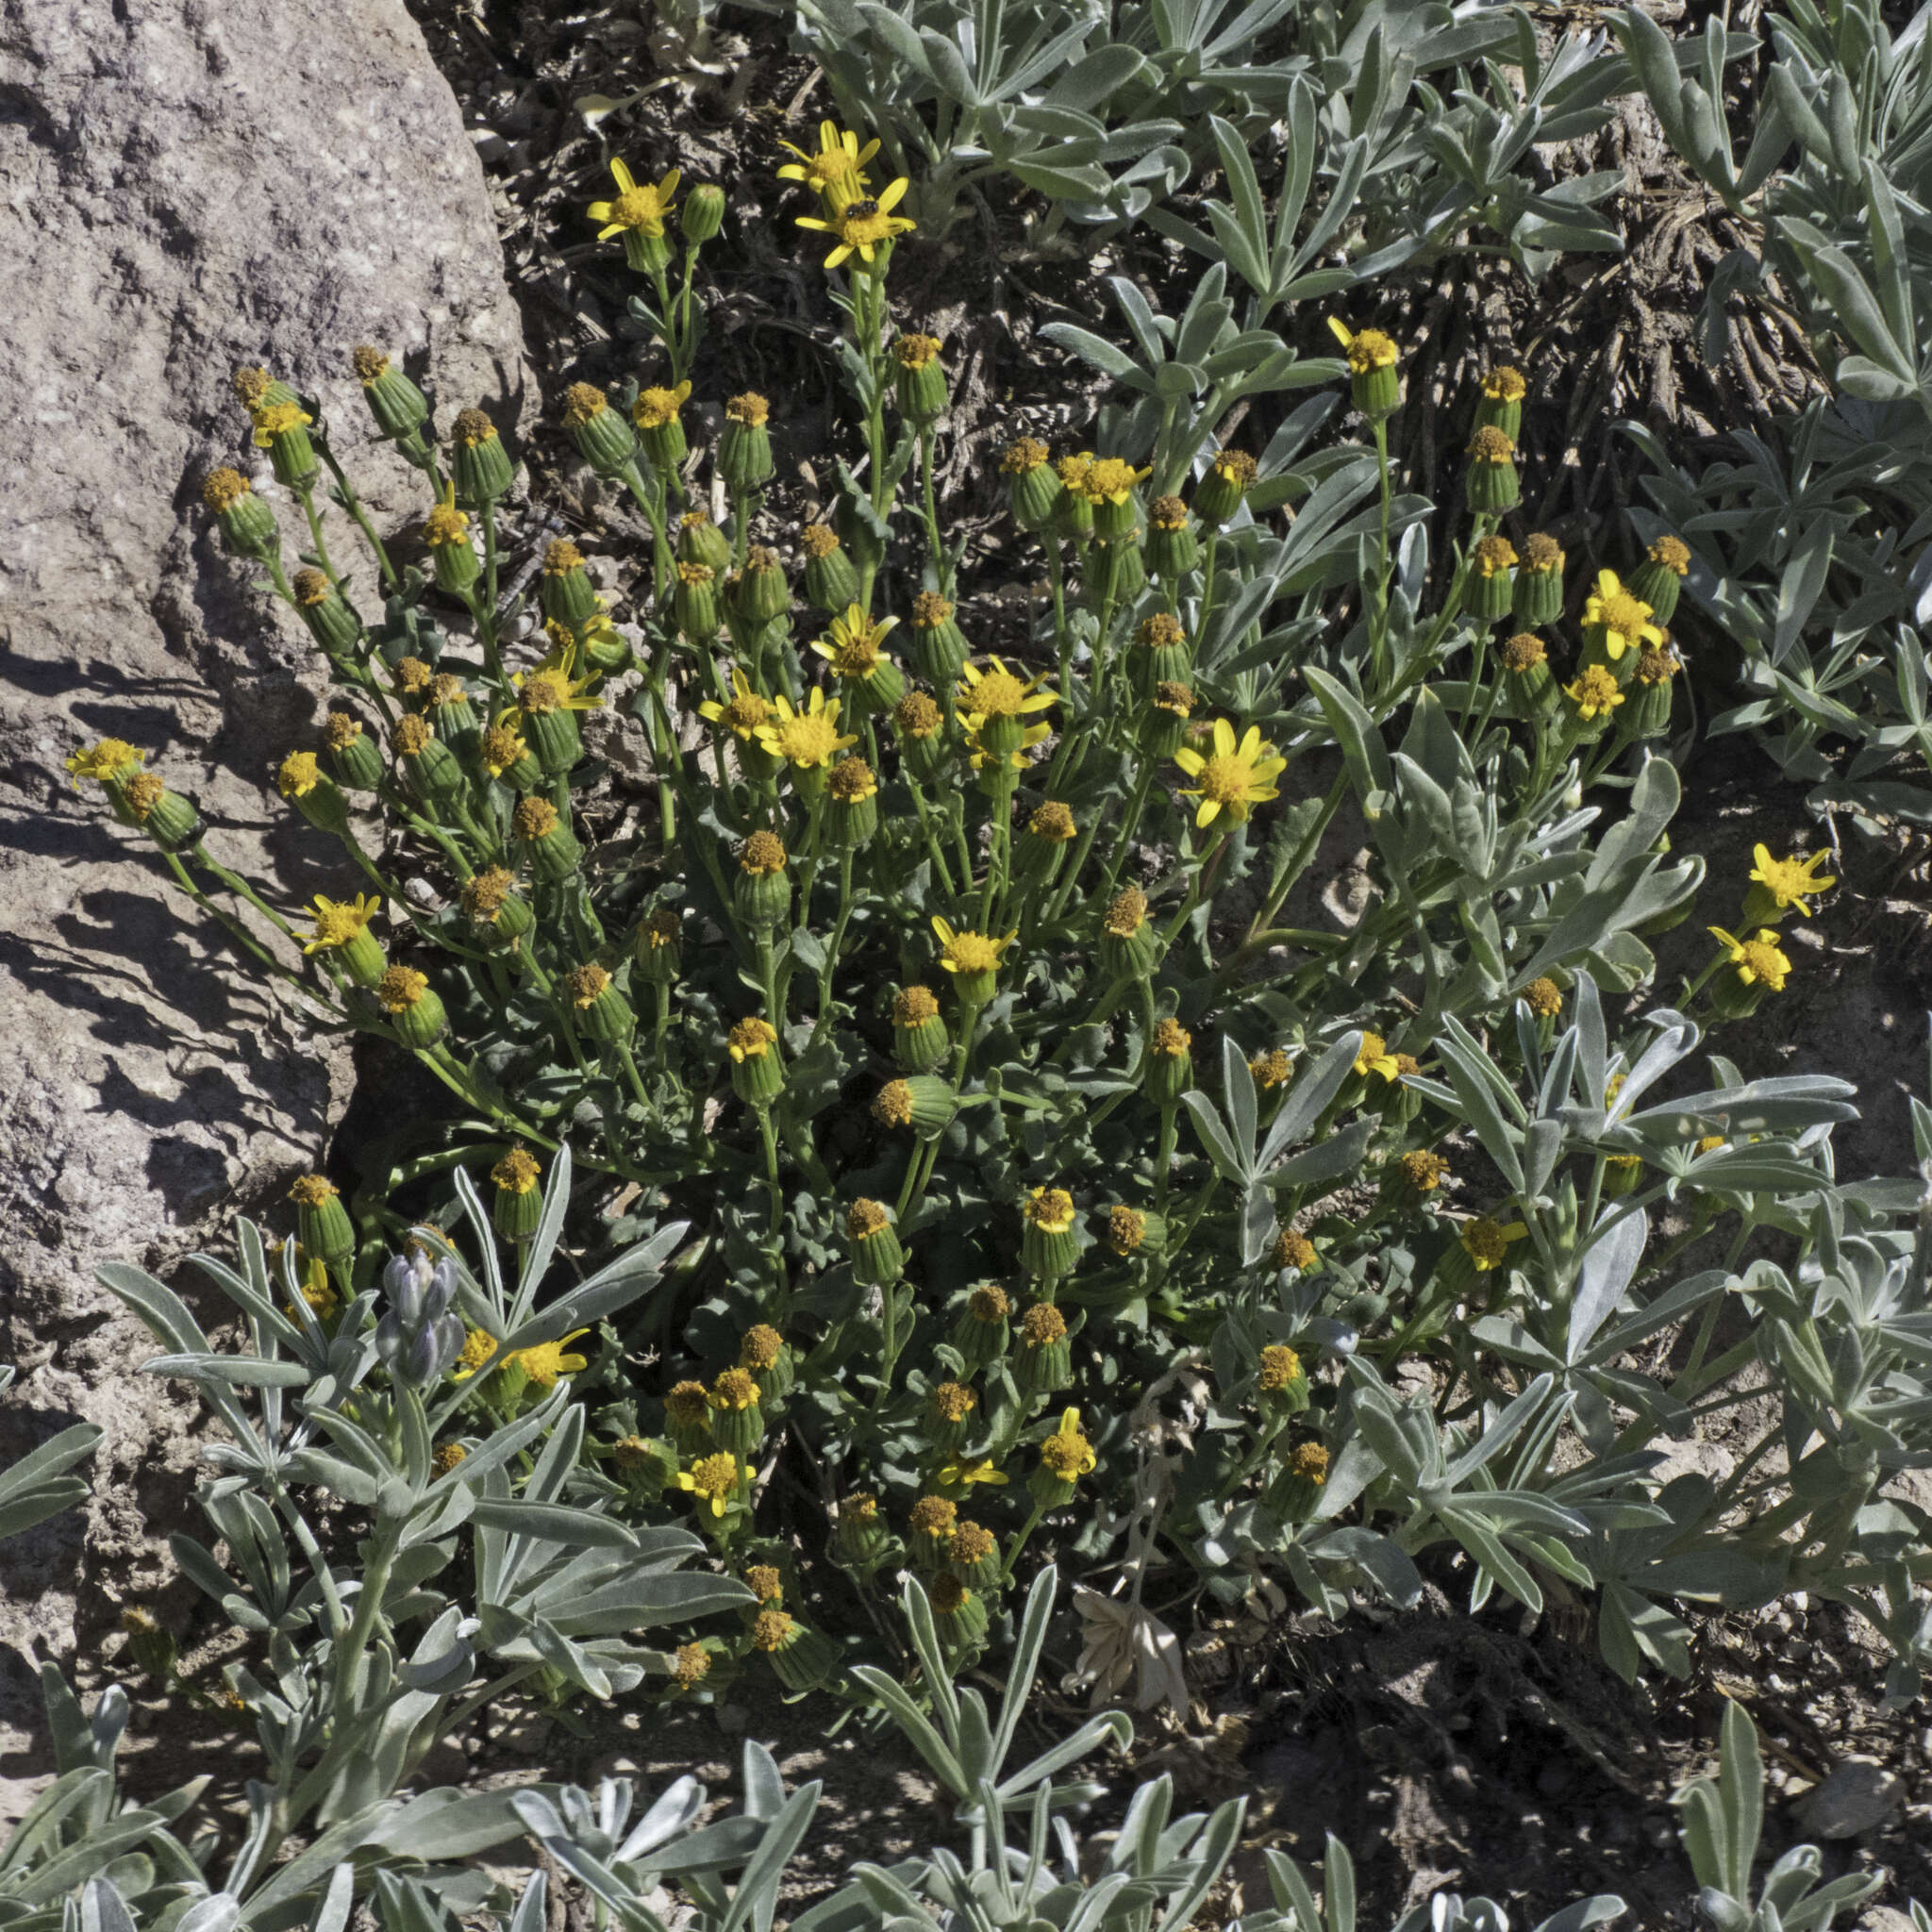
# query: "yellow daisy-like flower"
[277,419]
[1757,960]
[1595,693]
[751,1039]
[1623,618]
[806,738]
[1486,1241]
[1373,1057]
[1790,881]
[962,1475]
[1235,776]
[835,169]
[338,922]
[552,685]
[1108,479]
[864,227]
[657,408]
[971,952]
[997,693]
[851,649]
[1366,348]
[635,206]
[104,761]
[547,1360]
[744,712]
[479,1347]
[712,1479]
[1067,1453]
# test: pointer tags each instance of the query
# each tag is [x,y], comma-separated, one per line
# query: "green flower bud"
[1501,407]
[852,806]
[1491,580]
[878,1259]
[1539,582]
[1128,943]
[757,1074]
[301,780]
[1224,488]
[1064,1457]
[737,1421]
[972,1555]
[700,540]
[330,622]
[517,1209]
[983,1329]
[762,594]
[657,948]
[544,841]
[924,1103]
[1048,1245]
[1164,724]
[170,820]
[282,430]
[958,1614]
[478,461]
[1172,549]
[351,754]
[920,1039]
[703,213]
[601,1013]
[761,892]
[920,383]
[745,448]
[446,531]
[830,581]
[695,603]
[412,1008]
[801,1659]
[765,1353]
[492,908]
[1374,383]
[1297,1489]
[1660,576]
[1160,655]
[859,1536]
[1281,1387]
[247,525]
[569,596]
[1492,480]
[322,1222]
[660,428]
[604,439]
[453,716]
[1169,1063]
[1033,485]
[400,407]
[429,768]
[939,646]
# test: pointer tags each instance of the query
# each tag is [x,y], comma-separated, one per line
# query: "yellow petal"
[622,174]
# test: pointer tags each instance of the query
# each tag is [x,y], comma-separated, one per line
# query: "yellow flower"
[1757,960]
[981,757]
[998,693]
[546,1361]
[712,1479]
[551,686]
[298,775]
[863,226]
[277,419]
[806,737]
[743,714]
[657,408]
[1790,881]
[642,207]
[1374,1057]
[1486,1242]
[1050,1210]
[969,952]
[751,1039]
[1595,693]
[1067,1453]
[1108,479]
[338,922]
[105,760]
[1623,619]
[1367,348]
[853,648]
[836,172]
[478,1347]
[1235,776]
[962,1475]
[517,1173]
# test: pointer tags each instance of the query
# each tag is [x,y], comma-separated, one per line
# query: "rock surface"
[190,187]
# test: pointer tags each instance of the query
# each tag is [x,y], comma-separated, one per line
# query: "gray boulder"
[191,187]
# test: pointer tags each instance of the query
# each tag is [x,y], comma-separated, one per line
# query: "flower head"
[852,782]
[1595,693]
[851,649]
[1108,479]
[1126,913]
[1271,1069]
[933,1516]
[761,1347]
[1024,455]
[750,409]
[338,924]
[713,1479]
[1623,619]
[1373,1056]
[1367,349]
[1049,1209]
[969,952]
[835,169]
[1280,1366]
[691,1665]
[1486,1241]
[1127,1229]
[806,738]
[1494,554]
[1041,1326]
[1067,1453]
[401,987]
[1671,553]
[517,1173]
[109,758]
[1757,960]
[743,714]
[915,352]
[1523,653]
[916,716]
[1505,385]
[1422,1171]
[998,693]
[750,1039]
[1492,446]
[915,1007]
[762,855]
[864,1219]
[277,419]
[1237,775]
[735,1389]
[637,206]
[989,1303]
[1790,881]
[1293,1250]
[545,1361]
[864,225]
[1543,997]
[657,408]
[1053,822]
